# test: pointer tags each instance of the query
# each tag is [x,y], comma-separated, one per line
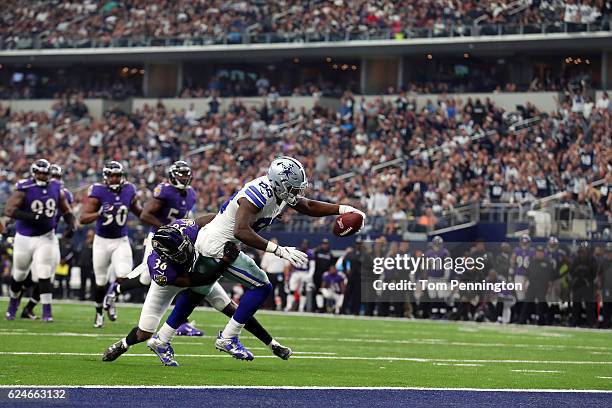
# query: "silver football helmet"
[288,179]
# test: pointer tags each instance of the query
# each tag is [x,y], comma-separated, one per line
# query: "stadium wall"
[546,101]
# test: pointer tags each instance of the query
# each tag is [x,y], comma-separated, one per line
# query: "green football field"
[329,351]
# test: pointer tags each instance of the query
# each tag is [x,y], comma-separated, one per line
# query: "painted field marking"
[537,371]
[440,342]
[604,378]
[325,357]
[458,365]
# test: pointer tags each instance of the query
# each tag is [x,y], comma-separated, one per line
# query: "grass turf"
[329,352]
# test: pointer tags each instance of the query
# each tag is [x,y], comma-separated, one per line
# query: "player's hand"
[343,209]
[230,252]
[295,256]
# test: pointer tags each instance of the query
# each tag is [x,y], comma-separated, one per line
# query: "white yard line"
[537,371]
[291,387]
[440,342]
[326,357]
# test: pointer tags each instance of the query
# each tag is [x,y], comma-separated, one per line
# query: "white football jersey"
[214,235]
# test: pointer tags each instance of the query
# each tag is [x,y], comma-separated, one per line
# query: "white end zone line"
[306,387]
[327,357]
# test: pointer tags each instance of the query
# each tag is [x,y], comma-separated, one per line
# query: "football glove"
[295,256]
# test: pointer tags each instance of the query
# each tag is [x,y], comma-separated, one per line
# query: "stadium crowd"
[63,23]
[445,154]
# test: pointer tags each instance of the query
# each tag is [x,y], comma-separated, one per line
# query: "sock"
[31,304]
[272,344]
[182,309]
[232,329]
[99,293]
[131,338]
[250,302]
[15,288]
[14,295]
[99,308]
[166,333]
[255,328]
[45,298]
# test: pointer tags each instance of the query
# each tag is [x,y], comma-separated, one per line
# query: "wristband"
[342,209]
[271,247]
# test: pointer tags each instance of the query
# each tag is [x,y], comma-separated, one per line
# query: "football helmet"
[525,241]
[172,245]
[39,170]
[113,168]
[437,242]
[179,174]
[56,171]
[288,179]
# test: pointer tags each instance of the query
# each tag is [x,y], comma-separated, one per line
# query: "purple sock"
[250,302]
[182,309]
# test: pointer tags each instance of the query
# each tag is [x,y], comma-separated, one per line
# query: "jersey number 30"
[120,217]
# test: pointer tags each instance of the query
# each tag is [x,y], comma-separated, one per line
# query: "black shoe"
[27,313]
[282,351]
[115,351]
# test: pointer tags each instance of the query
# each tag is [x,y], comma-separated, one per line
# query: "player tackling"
[248,211]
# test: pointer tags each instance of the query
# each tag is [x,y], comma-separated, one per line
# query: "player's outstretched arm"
[152,207]
[91,211]
[316,208]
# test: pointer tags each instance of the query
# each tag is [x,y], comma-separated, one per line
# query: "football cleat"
[115,351]
[47,316]
[187,329]
[12,309]
[109,302]
[99,320]
[281,351]
[233,347]
[28,313]
[164,351]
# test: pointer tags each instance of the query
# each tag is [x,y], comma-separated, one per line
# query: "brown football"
[347,224]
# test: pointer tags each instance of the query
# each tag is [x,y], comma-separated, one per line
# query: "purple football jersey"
[334,280]
[441,253]
[522,259]
[39,200]
[305,266]
[177,203]
[114,223]
[164,272]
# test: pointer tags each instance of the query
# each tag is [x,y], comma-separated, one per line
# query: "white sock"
[166,333]
[232,329]
[45,298]
[272,343]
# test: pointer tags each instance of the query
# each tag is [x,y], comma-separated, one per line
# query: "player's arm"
[152,207]
[66,211]
[230,253]
[91,210]
[316,208]
[205,219]
[12,208]
[136,208]
[245,217]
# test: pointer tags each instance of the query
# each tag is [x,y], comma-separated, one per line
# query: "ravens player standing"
[35,204]
[108,205]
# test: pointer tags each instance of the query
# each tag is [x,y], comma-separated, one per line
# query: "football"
[348,224]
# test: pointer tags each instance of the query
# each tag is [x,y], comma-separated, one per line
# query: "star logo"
[287,169]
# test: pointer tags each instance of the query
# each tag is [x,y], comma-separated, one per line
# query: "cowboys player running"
[34,204]
[171,200]
[171,266]
[249,210]
[108,205]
